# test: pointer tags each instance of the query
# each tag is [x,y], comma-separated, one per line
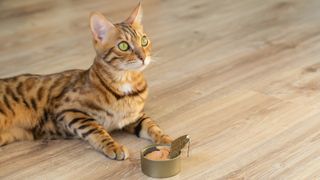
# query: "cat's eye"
[144,41]
[123,46]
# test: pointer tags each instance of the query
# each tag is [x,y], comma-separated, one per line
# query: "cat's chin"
[140,68]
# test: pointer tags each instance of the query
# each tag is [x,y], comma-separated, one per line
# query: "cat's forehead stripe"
[128,30]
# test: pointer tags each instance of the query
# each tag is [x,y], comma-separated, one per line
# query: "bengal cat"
[86,103]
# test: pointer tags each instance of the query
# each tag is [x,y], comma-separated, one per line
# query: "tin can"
[159,168]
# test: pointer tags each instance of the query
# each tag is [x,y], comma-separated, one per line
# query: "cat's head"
[124,46]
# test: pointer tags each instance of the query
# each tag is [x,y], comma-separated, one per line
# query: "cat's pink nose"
[141,57]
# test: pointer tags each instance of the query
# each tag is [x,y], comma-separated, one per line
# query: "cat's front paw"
[164,139]
[116,151]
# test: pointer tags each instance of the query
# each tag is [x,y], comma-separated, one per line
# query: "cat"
[87,104]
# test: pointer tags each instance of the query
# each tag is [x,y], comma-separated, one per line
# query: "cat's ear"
[136,15]
[100,27]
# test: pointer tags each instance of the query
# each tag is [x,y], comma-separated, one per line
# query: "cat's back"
[26,96]
[31,79]
[31,83]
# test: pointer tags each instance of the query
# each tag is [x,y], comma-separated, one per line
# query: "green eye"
[144,41]
[123,46]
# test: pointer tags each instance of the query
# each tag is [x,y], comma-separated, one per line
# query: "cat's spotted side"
[86,103]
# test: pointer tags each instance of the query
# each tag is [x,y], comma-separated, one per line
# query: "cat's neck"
[103,74]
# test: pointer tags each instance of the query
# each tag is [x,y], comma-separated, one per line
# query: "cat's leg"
[88,129]
[147,128]
[14,134]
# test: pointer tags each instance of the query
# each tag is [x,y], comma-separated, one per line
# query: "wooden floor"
[241,77]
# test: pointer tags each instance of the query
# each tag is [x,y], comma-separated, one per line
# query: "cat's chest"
[126,88]
[125,110]
[123,114]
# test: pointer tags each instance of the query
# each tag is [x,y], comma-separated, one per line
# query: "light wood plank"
[241,77]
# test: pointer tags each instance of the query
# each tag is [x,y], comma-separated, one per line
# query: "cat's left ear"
[136,15]
[101,28]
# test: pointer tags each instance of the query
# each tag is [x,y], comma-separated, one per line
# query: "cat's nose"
[140,54]
[141,57]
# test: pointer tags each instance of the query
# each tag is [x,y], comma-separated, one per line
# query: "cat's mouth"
[137,65]
[145,63]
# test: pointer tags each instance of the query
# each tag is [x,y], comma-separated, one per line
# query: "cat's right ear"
[100,27]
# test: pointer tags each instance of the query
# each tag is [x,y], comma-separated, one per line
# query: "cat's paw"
[116,151]
[164,139]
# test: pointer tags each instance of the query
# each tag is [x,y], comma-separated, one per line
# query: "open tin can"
[159,168]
